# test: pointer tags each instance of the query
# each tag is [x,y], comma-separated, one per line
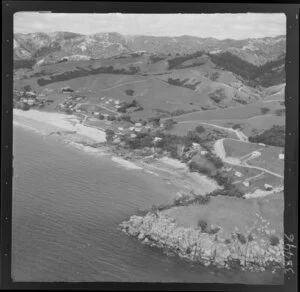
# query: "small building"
[238,174]
[107,102]
[117,140]
[120,128]
[131,128]
[203,152]
[281,156]
[255,154]
[117,102]
[138,124]
[262,144]
[132,135]
[196,145]
[138,129]
[31,101]
[246,183]
[102,98]
[157,139]
[110,100]
[117,106]
[268,187]
[96,113]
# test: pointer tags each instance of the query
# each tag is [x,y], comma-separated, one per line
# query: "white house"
[30,101]
[137,129]
[281,156]
[262,144]
[138,124]
[118,106]
[255,154]
[131,128]
[117,102]
[102,98]
[120,128]
[238,174]
[96,113]
[132,135]
[157,139]
[246,183]
[196,145]
[203,152]
[107,102]
[268,187]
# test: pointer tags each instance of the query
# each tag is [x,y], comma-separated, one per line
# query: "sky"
[220,26]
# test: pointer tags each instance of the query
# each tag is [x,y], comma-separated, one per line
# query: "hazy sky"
[221,26]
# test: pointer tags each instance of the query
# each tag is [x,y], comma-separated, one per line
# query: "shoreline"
[81,137]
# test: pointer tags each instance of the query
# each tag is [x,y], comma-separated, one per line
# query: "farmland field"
[235,148]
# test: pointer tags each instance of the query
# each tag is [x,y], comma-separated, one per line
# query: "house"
[30,93]
[131,128]
[102,98]
[138,124]
[238,174]
[132,135]
[281,156]
[107,102]
[157,139]
[255,154]
[268,187]
[31,101]
[117,102]
[246,183]
[262,144]
[120,128]
[110,100]
[117,140]
[137,129]
[203,152]
[196,146]
[96,113]
[118,106]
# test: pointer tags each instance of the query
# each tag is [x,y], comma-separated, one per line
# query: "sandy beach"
[77,135]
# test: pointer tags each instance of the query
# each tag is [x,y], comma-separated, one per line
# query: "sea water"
[67,206]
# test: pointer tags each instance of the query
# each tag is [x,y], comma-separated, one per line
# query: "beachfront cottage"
[268,187]
[238,174]
[138,124]
[281,156]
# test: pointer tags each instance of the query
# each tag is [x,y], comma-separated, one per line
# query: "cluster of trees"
[168,124]
[274,136]
[126,105]
[177,61]
[155,59]
[218,95]
[215,76]
[27,64]
[81,72]
[264,110]
[129,92]
[182,83]
[280,112]
[175,113]
[269,74]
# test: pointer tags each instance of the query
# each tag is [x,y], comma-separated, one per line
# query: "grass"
[269,160]
[235,148]
[229,212]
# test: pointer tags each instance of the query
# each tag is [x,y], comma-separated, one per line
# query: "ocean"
[67,206]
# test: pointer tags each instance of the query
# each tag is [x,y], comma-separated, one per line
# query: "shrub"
[280,112]
[274,136]
[227,241]
[111,118]
[168,124]
[199,129]
[202,224]
[264,110]
[274,240]
[241,238]
[109,135]
[101,117]
[236,126]
[214,230]
[129,92]
[250,237]
[215,76]
[202,200]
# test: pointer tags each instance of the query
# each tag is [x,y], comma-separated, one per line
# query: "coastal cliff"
[193,244]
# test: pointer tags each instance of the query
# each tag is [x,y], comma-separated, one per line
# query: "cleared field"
[229,212]
[235,113]
[235,148]
[181,129]
[269,160]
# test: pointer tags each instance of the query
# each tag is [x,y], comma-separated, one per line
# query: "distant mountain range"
[52,47]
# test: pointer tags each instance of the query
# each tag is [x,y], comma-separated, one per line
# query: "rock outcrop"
[162,231]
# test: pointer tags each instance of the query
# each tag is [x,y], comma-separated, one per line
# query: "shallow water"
[67,205]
